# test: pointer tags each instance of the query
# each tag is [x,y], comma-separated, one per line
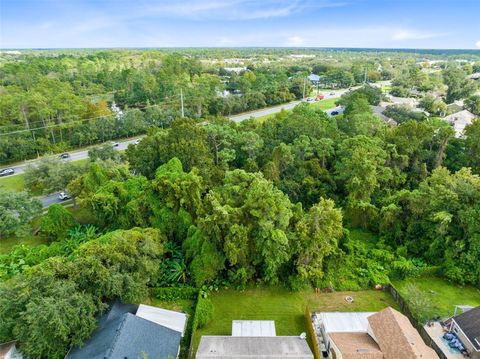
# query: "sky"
[432,24]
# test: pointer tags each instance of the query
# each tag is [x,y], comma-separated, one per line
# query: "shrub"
[204,311]
[172,294]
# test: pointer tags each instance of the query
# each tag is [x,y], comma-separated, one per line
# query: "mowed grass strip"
[322,105]
[443,295]
[12,183]
[286,308]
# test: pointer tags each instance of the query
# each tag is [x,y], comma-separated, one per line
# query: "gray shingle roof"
[122,335]
[469,322]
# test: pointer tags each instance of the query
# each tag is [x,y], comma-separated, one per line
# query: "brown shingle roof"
[397,338]
[356,346]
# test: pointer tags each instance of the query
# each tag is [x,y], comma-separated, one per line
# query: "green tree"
[459,86]
[57,222]
[317,234]
[17,209]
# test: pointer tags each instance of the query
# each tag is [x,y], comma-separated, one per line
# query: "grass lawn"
[325,104]
[322,105]
[6,244]
[285,307]
[442,294]
[12,183]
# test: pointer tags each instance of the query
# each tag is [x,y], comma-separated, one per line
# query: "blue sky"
[170,23]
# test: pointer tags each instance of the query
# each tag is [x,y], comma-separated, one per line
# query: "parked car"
[136,142]
[334,113]
[64,156]
[310,99]
[62,196]
[7,172]
[332,93]
[115,144]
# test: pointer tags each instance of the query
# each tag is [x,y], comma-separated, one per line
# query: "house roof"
[122,334]
[459,120]
[336,322]
[469,322]
[225,347]
[253,328]
[129,337]
[396,336]
[356,346]
[314,78]
[167,318]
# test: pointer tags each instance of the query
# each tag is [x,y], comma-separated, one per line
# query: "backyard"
[441,295]
[286,308]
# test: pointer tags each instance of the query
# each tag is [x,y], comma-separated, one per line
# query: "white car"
[136,142]
[7,172]
[62,196]
[115,144]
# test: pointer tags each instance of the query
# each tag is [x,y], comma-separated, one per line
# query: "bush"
[204,311]
[172,294]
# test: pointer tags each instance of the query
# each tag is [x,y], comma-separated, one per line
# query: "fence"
[423,333]
[311,332]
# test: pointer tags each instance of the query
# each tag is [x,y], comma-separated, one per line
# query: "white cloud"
[478,44]
[295,41]
[234,9]
[411,34]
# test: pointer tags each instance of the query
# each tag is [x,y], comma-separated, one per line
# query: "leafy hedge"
[203,314]
[172,294]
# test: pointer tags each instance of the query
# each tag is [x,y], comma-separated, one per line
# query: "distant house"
[253,339]
[387,334]
[460,120]
[130,331]
[467,328]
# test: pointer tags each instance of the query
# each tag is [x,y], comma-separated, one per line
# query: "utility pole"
[365,75]
[181,99]
[304,86]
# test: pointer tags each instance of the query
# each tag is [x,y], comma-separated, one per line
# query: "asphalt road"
[276,109]
[122,145]
[74,156]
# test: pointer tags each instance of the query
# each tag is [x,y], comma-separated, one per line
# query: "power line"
[165,101]
[68,124]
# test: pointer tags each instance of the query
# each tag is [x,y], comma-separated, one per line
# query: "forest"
[204,201]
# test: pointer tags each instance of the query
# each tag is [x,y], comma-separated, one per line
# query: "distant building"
[237,70]
[467,328]
[253,339]
[314,78]
[387,334]
[130,331]
[460,120]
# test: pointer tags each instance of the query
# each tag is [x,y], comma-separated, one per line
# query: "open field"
[322,105]
[442,294]
[285,307]
[12,183]
[7,243]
